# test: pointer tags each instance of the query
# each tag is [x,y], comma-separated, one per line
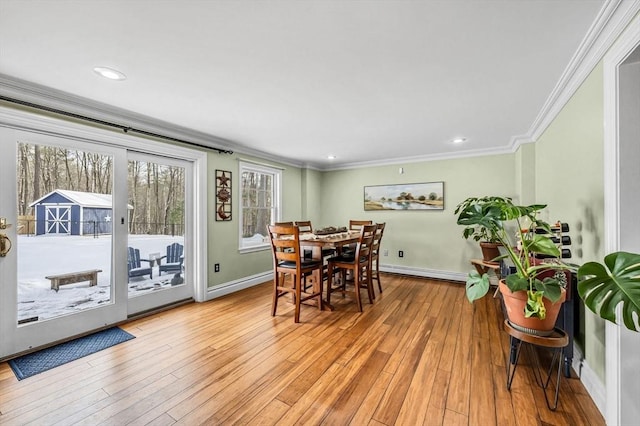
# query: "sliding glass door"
[92,233]
[59,263]
[158,242]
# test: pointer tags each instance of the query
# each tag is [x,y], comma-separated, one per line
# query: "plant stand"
[555,343]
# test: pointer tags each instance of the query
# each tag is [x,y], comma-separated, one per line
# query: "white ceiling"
[369,81]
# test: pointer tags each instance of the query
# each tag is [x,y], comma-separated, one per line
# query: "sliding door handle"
[5,245]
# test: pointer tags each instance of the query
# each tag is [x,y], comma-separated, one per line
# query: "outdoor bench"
[74,277]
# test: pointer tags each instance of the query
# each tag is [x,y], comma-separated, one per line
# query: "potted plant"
[486,236]
[603,287]
[536,286]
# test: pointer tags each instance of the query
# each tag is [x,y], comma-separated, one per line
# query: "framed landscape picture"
[405,196]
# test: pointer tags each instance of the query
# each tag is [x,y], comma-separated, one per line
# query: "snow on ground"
[41,256]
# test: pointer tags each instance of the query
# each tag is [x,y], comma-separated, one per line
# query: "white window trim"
[277,189]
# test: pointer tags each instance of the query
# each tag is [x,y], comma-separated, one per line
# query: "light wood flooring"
[421,354]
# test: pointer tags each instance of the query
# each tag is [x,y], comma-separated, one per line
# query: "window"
[260,189]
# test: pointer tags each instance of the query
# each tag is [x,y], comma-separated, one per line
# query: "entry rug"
[46,359]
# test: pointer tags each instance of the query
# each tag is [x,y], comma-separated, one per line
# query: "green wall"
[431,240]
[569,177]
[526,174]
[223,238]
[311,186]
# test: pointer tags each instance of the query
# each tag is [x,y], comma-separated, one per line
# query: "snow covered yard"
[41,256]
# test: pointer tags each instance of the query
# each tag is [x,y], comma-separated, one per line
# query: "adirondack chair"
[134,264]
[174,259]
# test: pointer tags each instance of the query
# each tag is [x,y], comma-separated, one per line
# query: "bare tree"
[36,172]
[156,191]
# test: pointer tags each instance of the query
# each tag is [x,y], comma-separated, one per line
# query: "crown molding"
[613,18]
[422,158]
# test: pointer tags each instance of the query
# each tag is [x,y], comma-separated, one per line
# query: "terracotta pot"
[515,303]
[489,251]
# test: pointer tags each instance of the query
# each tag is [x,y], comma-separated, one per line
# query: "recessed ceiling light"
[459,140]
[110,73]
[331,157]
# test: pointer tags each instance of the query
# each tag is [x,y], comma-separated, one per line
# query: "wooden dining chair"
[290,269]
[359,265]
[304,226]
[355,225]
[375,254]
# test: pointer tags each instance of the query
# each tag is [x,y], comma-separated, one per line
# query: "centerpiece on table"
[330,230]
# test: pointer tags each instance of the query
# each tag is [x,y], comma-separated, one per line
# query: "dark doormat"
[46,359]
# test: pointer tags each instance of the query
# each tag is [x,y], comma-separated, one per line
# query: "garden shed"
[64,212]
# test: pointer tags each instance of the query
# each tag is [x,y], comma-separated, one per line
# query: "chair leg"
[317,287]
[357,279]
[274,302]
[297,282]
[369,282]
[329,282]
[343,280]
[378,277]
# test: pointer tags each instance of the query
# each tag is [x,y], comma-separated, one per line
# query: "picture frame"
[223,211]
[424,196]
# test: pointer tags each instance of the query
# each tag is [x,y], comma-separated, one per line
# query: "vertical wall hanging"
[223,195]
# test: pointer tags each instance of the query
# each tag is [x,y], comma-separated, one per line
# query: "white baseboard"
[237,285]
[422,272]
[590,380]
[250,281]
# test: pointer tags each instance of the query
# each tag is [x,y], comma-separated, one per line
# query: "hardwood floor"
[421,354]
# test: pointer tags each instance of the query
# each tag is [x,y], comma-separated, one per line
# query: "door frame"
[616,337]
[58,128]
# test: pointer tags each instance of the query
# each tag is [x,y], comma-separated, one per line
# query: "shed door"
[57,220]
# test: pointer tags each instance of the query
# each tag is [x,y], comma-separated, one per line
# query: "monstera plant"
[603,287]
[532,237]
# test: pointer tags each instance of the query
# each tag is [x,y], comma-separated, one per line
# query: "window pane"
[65,227]
[155,249]
[258,209]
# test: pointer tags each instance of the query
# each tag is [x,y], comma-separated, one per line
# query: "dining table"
[316,243]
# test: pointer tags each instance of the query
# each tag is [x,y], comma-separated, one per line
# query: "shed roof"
[84,199]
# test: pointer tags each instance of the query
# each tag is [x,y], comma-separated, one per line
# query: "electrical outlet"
[386,252]
[216,267]
[401,253]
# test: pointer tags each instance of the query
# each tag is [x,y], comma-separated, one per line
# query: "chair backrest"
[133,258]
[285,244]
[304,226]
[355,225]
[365,244]
[378,238]
[174,251]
